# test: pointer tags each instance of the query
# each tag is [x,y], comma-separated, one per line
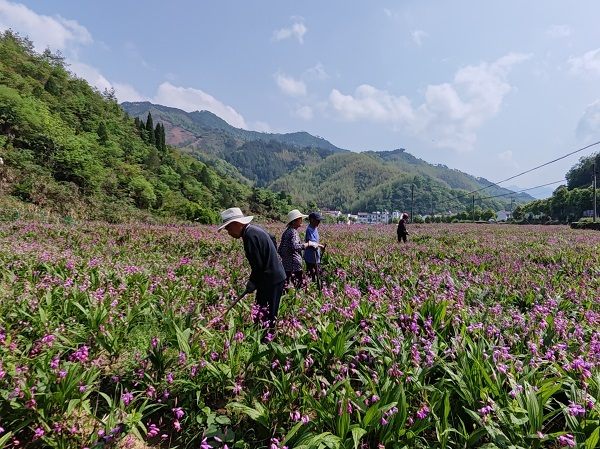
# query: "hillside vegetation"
[70,150]
[315,173]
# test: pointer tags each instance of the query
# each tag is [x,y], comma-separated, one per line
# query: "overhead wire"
[523,173]
[521,191]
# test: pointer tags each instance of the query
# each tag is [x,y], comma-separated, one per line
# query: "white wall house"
[503,215]
[362,217]
[378,217]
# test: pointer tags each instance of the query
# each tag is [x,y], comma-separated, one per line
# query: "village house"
[503,215]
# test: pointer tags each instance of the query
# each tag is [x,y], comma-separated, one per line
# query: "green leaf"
[183,338]
[357,434]
[223,420]
[107,398]
[4,439]
[258,414]
[292,432]
[592,441]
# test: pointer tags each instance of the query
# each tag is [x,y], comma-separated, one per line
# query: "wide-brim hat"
[294,215]
[234,214]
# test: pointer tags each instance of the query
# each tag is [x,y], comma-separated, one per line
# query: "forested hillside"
[317,174]
[69,150]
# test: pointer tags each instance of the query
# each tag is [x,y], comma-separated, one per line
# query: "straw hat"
[295,214]
[234,214]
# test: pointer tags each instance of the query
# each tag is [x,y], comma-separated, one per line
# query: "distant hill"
[314,172]
[194,129]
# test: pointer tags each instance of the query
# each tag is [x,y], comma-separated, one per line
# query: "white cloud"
[451,113]
[190,100]
[54,32]
[262,127]
[558,31]
[90,74]
[290,86]
[588,126]
[317,72]
[297,30]
[418,36]
[126,92]
[587,65]
[304,112]
[506,159]
[369,103]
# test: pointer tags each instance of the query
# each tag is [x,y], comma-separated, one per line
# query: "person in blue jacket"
[267,276]
[312,255]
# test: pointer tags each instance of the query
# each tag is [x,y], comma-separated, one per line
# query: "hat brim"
[299,216]
[243,220]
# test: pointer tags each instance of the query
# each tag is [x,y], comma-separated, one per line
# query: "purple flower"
[126,397]
[486,410]
[153,430]
[422,414]
[566,440]
[39,432]
[576,409]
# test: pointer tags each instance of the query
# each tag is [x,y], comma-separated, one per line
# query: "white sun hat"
[295,214]
[234,214]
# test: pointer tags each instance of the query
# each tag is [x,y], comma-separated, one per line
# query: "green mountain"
[67,150]
[313,172]
[196,129]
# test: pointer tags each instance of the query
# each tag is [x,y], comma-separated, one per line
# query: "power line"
[523,173]
[521,191]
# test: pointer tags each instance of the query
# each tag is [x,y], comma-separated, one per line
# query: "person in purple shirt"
[312,256]
[267,276]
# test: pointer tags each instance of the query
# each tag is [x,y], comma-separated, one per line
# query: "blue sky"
[489,88]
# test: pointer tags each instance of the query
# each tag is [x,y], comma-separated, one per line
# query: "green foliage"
[68,148]
[580,175]
[564,206]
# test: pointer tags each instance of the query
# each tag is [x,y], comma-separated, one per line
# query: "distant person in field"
[402,231]
[312,257]
[291,247]
[267,276]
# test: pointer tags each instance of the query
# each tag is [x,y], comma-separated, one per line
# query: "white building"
[362,217]
[503,215]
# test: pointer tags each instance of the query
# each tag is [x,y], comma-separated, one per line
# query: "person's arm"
[297,244]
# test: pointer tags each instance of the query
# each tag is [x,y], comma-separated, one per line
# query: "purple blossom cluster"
[474,321]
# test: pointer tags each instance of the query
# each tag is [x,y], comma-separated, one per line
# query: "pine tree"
[150,129]
[102,133]
[159,135]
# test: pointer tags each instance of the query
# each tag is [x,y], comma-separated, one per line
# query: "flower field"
[467,336]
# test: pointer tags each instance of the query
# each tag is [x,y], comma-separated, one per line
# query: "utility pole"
[432,206]
[594,177]
[412,199]
[473,208]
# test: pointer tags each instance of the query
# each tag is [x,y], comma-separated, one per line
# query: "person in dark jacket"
[401,231]
[267,276]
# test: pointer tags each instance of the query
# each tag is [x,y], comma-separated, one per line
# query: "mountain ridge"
[313,171]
